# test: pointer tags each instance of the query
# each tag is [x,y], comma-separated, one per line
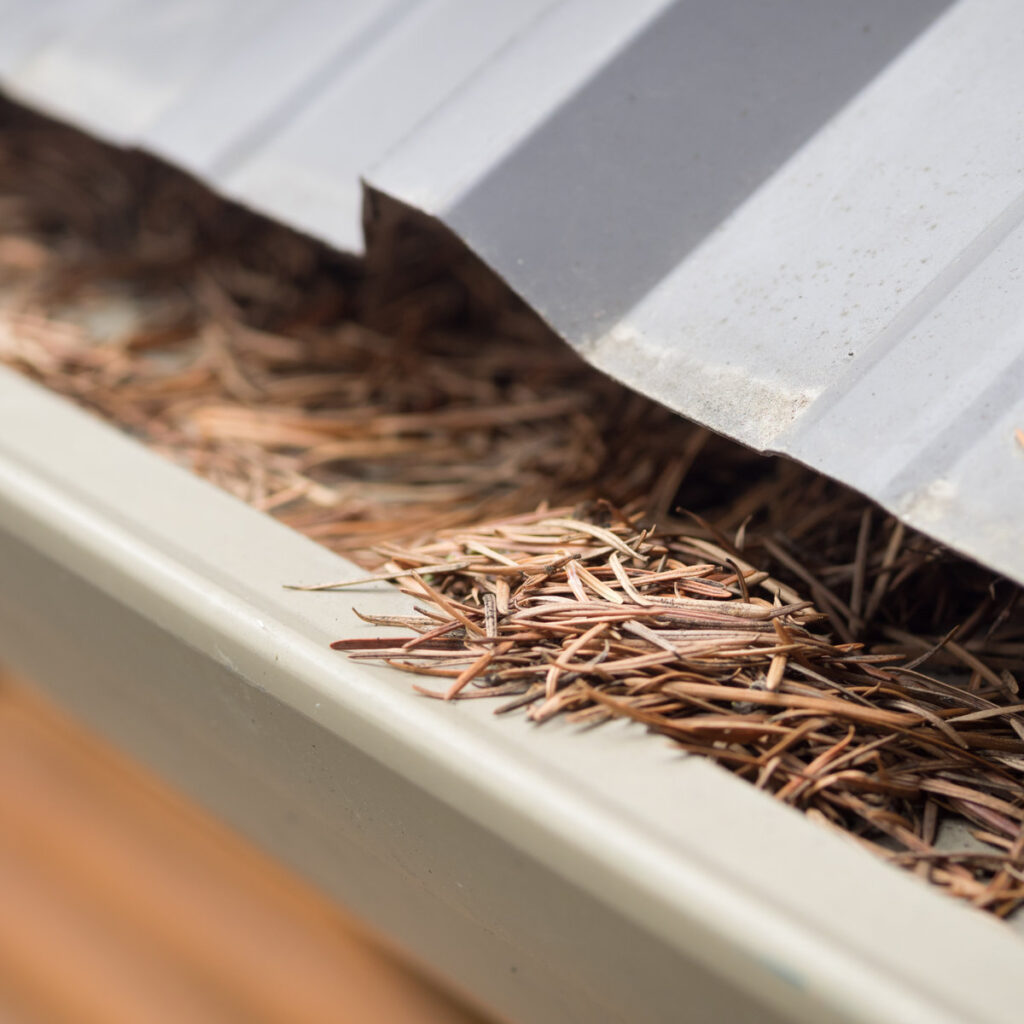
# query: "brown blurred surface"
[120,901]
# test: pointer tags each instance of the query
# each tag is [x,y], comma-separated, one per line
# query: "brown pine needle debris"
[598,618]
[409,413]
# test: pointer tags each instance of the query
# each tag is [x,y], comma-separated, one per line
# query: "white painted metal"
[558,875]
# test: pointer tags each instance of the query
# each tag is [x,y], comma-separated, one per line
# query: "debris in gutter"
[602,617]
[411,415]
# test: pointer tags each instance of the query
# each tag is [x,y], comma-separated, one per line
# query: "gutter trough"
[555,875]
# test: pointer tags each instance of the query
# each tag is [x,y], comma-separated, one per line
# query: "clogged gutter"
[409,414]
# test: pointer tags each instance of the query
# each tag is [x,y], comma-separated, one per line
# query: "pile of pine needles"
[599,617]
[411,414]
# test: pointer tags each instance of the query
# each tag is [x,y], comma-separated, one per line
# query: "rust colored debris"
[412,415]
[599,617]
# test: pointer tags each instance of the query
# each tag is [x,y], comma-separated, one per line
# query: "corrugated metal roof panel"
[308,172]
[798,224]
[251,92]
[29,27]
[117,70]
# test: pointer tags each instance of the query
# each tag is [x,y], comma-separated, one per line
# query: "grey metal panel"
[836,280]
[471,134]
[262,82]
[793,222]
[25,28]
[860,309]
[118,71]
[308,173]
[639,165]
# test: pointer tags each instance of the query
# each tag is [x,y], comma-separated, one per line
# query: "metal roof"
[798,223]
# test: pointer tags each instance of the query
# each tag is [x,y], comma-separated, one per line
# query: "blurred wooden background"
[120,901]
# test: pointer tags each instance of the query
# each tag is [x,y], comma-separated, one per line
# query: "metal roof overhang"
[799,224]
